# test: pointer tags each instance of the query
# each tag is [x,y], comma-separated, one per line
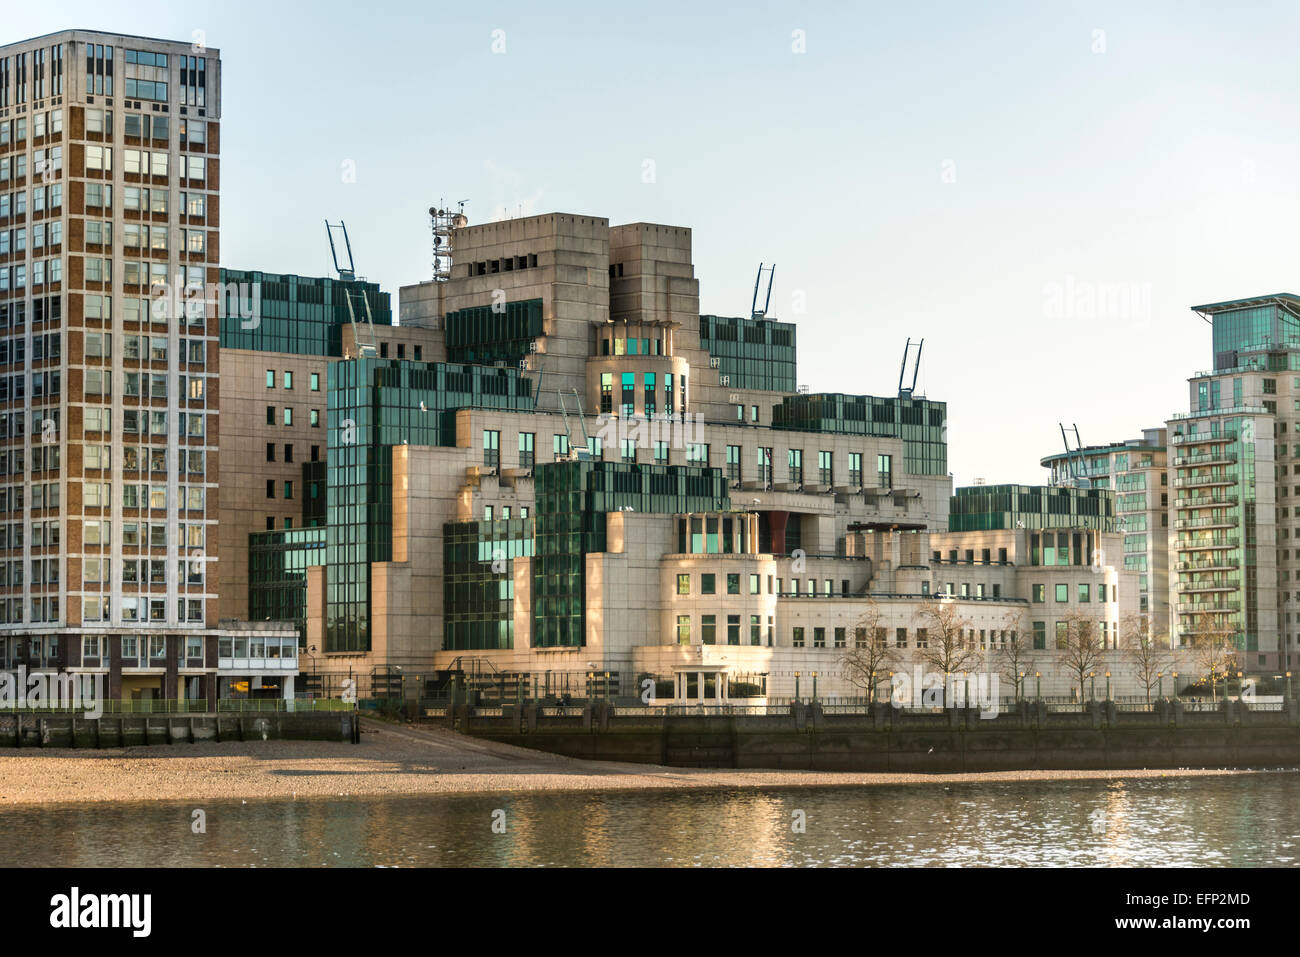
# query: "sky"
[1040,190]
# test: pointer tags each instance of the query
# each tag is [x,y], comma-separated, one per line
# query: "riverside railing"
[192,706]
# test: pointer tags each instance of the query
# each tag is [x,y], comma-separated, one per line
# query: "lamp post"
[814,696]
[1288,684]
[1020,684]
[1174,676]
[1092,686]
[1160,684]
[1038,677]
[796,686]
[1107,685]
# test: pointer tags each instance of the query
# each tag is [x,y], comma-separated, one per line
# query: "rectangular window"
[683,584]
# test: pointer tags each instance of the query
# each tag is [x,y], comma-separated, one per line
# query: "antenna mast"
[1074,458]
[754,311]
[443,220]
[363,332]
[907,392]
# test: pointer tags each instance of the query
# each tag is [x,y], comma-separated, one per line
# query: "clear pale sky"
[975,174]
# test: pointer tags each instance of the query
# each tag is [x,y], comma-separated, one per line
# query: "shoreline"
[408,761]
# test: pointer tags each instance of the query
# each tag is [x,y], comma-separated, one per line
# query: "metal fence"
[193,706]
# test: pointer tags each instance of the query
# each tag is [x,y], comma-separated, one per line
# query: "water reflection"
[1225,821]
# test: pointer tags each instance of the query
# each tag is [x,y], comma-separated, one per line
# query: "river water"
[1237,820]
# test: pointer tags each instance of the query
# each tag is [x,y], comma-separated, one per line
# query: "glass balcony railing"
[1207,544]
[1208,565]
[1200,438]
[1199,481]
[1207,608]
[1212,458]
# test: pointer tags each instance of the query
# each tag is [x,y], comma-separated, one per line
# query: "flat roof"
[1231,304]
[101,33]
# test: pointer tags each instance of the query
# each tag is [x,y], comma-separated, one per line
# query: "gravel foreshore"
[400,760]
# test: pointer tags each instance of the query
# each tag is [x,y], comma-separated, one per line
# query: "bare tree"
[1016,657]
[1146,650]
[870,656]
[1080,647]
[949,646]
[1214,650]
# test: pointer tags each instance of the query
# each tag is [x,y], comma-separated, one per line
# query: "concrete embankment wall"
[807,739]
[20,730]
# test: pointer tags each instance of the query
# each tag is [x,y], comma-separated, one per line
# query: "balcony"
[1208,608]
[1201,438]
[1213,458]
[1209,413]
[1223,521]
[1191,588]
[1201,481]
[1209,565]
[1229,500]
[1212,542]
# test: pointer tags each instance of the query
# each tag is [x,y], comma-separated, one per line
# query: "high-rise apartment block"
[1137,471]
[109,361]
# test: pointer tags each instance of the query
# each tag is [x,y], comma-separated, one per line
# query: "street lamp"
[814,677]
[796,685]
[1092,686]
[1038,676]
[1107,685]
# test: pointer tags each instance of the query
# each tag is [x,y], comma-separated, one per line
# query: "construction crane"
[754,311]
[1074,460]
[363,332]
[906,393]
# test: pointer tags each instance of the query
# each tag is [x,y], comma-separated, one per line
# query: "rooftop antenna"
[363,333]
[443,220]
[575,454]
[906,393]
[1074,458]
[754,311]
